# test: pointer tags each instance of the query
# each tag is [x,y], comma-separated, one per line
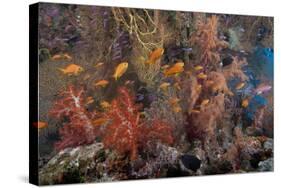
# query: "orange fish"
[155,55]
[240,85]
[195,111]
[198,67]
[164,85]
[165,67]
[72,69]
[120,70]
[205,102]
[177,86]
[105,104]
[202,76]
[245,103]
[57,57]
[99,121]
[174,101]
[176,109]
[89,100]
[67,57]
[175,69]
[101,83]
[40,124]
[98,65]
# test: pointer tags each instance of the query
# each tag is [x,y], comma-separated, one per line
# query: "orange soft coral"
[127,133]
[205,40]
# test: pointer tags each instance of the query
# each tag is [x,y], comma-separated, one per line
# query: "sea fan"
[78,129]
[127,133]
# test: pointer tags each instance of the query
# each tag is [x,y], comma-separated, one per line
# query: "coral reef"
[152,94]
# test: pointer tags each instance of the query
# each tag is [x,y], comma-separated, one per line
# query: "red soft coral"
[78,129]
[127,133]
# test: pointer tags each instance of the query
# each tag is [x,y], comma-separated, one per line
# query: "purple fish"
[262,89]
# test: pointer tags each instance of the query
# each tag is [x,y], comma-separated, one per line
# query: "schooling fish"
[205,102]
[262,89]
[89,100]
[240,85]
[155,55]
[164,85]
[195,111]
[174,101]
[102,83]
[120,70]
[105,104]
[198,67]
[99,121]
[245,103]
[58,57]
[177,109]
[98,65]
[40,124]
[72,69]
[175,69]
[202,76]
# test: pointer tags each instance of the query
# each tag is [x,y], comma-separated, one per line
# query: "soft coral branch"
[78,129]
[127,133]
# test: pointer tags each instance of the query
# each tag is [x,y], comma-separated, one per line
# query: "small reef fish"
[89,100]
[72,69]
[102,83]
[198,67]
[240,85]
[129,82]
[58,57]
[198,87]
[98,65]
[177,109]
[99,121]
[105,104]
[155,55]
[205,102]
[120,70]
[175,69]
[202,76]
[40,124]
[262,89]
[164,85]
[67,56]
[195,111]
[165,67]
[177,86]
[245,103]
[174,101]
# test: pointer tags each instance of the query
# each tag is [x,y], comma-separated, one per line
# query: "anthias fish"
[155,55]
[120,70]
[262,89]
[164,85]
[240,85]
[175,69]
[102,83]
[40,124]
[72,69]
[202,76]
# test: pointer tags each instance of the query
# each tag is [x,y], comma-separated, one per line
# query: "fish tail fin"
[149,62]
[62,70]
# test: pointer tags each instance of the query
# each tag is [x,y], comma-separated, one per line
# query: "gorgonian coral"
[77,128]
[127,132]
